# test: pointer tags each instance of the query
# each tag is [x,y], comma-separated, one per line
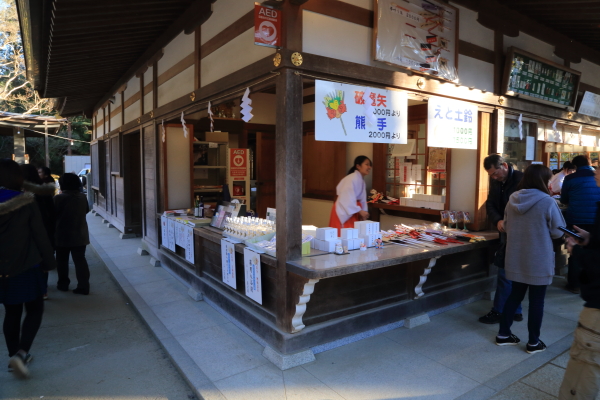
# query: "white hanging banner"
[252,275]
[246,106]
[228,262]
[350,113]
[521,126]
[185,128]
[210,115]
[451,123]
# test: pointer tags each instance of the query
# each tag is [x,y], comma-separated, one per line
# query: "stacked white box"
[326,233]
[347,233]
[358,242]
[349,244]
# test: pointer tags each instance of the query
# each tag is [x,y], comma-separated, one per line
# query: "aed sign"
[238,162]
[267,26]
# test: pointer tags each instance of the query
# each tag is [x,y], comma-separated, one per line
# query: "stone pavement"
[93,347]
[452,357]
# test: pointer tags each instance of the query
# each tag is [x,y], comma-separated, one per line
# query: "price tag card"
[228,262]
[252,275]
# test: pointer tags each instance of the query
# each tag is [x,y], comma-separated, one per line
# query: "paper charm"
[210,115]
[185,128]
[521,126]
[580,136]
[556,133]
[163,131]
[246,106]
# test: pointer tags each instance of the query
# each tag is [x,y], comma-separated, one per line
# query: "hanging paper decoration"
[163,131]
[580,136]
[185,128]
[246,106]
[521,126]
[556,133]
[210,115]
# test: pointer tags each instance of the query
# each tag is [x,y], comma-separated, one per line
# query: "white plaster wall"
[132,112]
[463,179]
[148,106]
[239,53]
[225,13]
[354,150]
[264,108]
[175,51]
[318,38]
[133,86]
[590,73]
[100,130]
[472,31]
[180,85]
[532,45]
[115,122]
[475,73]
[368,4]
[316,212]
[178,169]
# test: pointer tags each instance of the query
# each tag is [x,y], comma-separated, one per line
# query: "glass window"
[516,149]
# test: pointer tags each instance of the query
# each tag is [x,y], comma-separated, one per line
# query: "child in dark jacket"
[71,234]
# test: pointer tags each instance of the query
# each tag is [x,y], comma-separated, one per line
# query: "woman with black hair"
[351,202]
[71,234]
[25,250]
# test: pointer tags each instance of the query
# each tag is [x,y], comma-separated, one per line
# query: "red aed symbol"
[238,161]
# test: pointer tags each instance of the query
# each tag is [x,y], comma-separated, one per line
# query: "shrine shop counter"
[324,297]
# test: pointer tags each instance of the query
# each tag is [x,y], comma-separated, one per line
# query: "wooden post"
[69,135]
[46,143]
[288,138]
[483,180]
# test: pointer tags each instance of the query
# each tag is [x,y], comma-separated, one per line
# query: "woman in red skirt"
[351,203]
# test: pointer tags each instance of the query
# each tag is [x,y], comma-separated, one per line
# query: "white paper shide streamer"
[556,132]
[210,115]
[521,126]
[580,136]
[185,128]
[246,106]
[164,136]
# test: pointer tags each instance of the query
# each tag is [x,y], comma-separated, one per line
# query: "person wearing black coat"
[25,253]
[71,234]
[503,182]
[582,377]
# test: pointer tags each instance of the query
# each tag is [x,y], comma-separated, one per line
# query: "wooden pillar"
[19,144]
[46,144]
[288,160]
[69,132]
[498,61]
[482,180]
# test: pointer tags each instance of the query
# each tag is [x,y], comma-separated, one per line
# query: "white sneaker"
[18,365]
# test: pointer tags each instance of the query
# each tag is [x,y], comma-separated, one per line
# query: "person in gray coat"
[531,221]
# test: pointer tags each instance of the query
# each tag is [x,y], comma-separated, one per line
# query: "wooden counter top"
[327,265]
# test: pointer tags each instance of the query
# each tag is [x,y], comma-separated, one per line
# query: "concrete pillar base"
[416,321]
[287,361]
[197,296]
[142,252]
[154,262]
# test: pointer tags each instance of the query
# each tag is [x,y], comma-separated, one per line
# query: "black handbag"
[499,255]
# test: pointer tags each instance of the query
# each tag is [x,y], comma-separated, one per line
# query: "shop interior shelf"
[208,190]
[404,208]
[209,166]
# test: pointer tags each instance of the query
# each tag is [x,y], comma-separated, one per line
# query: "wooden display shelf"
[210,166]
[404,208]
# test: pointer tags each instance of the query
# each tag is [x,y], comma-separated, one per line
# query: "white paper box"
[346,233]
[326,233]
[329,245]
[349,243]
[354,233]
[358,242]
[369,240]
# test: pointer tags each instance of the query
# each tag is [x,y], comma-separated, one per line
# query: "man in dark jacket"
[582,377]
[580,194]
[503,183]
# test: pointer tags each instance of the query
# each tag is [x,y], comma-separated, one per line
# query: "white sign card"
[171,233]
[189,244]
[252,275]
[530,148]
[451,123]
[179,239]
[590,105]
[164,230]
[350,113]
[588,140]
[228,263]
[418,34]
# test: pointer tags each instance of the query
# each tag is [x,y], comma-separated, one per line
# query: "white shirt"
[556,182]
[350,190]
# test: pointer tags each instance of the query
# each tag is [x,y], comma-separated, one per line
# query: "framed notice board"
[534,78]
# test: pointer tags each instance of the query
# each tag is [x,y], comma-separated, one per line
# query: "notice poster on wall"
[590,105]
[451,123]
[228,263]
[350,113]
[164,231]
[252,275]
[418,34]
[171,233]
[189,244]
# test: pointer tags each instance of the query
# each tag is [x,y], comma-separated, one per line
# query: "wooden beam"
[179,67]
[498,61]
[292,26]
[226,35]
[341,10]
[197,57]
[288,158]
